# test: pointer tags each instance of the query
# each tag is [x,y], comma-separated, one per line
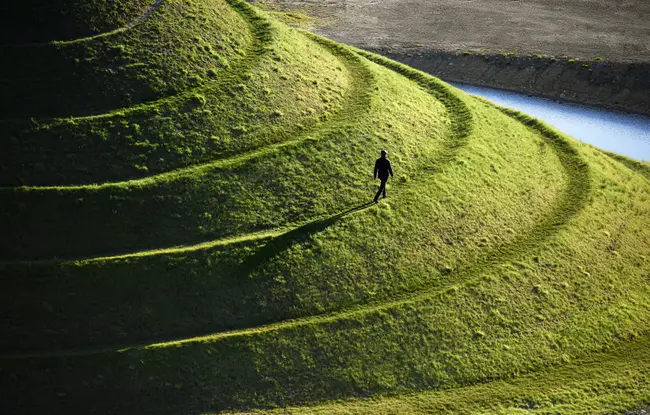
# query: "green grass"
[605,383]
[640,167]
[213,249]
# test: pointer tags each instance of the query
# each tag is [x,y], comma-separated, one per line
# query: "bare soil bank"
[614,30]
[621,86]
[611,38]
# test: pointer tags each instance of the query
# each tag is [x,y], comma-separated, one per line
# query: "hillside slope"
[209,244]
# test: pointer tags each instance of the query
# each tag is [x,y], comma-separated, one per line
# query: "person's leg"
[382,188]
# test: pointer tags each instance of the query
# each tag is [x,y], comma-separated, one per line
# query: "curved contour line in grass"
[261,38]
[146,13]
[635,166]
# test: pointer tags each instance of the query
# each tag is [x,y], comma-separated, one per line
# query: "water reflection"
[622,133]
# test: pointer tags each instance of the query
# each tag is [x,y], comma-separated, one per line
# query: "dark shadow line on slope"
[283,242]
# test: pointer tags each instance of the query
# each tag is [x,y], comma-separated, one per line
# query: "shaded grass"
[154,59]
[39,21]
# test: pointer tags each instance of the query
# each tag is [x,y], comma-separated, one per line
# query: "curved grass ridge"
[636,166]
[110,75]
[580,182]
[125,25]
[460,112]
[145,14]
[262,37]
[237,239]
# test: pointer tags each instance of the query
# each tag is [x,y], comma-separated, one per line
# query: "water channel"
[622,133]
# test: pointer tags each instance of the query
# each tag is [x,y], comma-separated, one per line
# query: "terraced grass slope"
[191,232]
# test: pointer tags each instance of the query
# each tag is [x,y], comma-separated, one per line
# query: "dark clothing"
[382,168]
[382,188]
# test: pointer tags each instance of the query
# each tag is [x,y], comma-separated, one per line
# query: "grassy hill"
[187,228]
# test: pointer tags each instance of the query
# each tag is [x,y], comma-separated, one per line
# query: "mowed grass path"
[505,253]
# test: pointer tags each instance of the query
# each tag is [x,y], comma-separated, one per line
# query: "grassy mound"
[212,247]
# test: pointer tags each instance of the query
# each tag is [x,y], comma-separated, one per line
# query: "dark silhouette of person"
[382,170]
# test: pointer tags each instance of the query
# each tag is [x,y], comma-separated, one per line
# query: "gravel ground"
[614,30]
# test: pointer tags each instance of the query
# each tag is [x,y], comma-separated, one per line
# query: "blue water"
[627,134]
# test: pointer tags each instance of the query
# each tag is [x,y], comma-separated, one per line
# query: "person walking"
[382,170]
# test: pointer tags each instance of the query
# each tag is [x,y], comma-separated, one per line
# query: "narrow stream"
[622,133]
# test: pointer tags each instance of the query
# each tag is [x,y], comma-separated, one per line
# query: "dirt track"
[616,30]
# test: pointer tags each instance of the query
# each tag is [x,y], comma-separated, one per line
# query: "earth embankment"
[622,86]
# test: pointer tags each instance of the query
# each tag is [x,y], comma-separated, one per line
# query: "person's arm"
[376,168]
[390,169]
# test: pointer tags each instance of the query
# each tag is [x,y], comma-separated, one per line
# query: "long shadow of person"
[286,240]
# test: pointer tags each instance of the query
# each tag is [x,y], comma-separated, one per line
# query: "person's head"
[383,153]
